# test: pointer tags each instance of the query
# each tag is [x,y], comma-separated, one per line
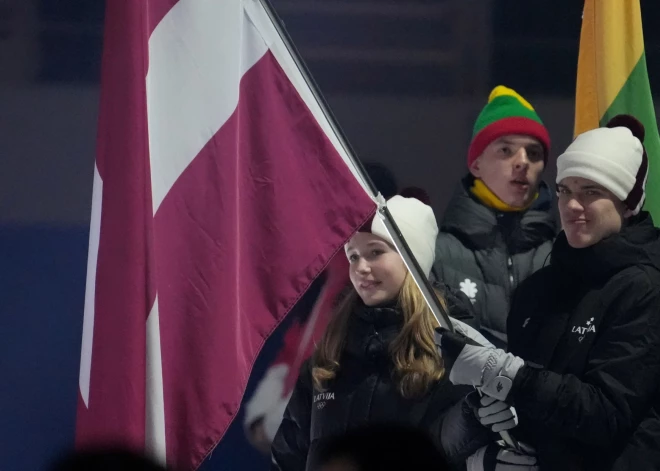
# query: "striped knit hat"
[506,113]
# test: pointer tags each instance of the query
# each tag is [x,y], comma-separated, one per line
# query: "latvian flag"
[220,194]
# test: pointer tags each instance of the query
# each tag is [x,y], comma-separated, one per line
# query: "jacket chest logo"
[469,287]
[584,330]
[321,399]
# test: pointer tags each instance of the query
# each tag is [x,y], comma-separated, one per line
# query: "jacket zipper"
[509,259]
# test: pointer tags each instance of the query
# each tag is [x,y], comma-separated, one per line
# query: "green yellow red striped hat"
[506,113]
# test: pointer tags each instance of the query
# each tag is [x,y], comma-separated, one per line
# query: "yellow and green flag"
[612,79]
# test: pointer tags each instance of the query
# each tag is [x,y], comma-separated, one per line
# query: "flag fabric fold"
[220,194]
[613,79]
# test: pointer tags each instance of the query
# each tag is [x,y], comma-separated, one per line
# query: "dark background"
[405,80]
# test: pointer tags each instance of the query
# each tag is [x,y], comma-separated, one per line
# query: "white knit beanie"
[613,157]
[418,226]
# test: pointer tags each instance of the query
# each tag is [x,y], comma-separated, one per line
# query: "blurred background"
[404,79]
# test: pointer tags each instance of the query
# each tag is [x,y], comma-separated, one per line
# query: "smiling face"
[511,167]
[589,212]
[376,270]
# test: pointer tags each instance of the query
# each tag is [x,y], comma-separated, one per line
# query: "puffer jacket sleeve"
[605,405]
[292,441]
[458,304]
[460,433]
[642,451]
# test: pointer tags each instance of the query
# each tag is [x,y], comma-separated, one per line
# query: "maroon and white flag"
[220,193]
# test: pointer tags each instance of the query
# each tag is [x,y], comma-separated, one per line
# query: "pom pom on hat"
[506,113]
[417,224]
[630,122]
[612,156]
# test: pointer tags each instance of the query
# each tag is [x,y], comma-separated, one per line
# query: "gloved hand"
[496,415]
[495,457]
[491,370]
[452,349]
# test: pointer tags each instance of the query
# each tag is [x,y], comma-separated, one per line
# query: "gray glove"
[496,415]
[495,457]
[491,370]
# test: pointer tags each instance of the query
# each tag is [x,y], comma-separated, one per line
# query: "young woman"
[377,360]
[264,410]
[584,331]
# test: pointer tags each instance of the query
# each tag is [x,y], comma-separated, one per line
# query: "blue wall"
[42,288]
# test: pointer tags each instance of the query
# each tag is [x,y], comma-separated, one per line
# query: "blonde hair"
[417,363]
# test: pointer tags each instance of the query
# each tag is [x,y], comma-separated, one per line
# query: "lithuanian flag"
[612,79]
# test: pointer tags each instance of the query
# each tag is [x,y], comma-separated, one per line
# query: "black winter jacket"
[362,392]
[487,253]
[588,328]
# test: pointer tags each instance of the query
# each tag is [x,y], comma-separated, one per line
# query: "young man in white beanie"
[377,360]
[583,370]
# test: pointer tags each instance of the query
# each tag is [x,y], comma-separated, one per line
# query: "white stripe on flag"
[265,27]
[190,95]
[155,443]
[90,288]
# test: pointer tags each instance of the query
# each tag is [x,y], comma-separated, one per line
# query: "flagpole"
[402,247]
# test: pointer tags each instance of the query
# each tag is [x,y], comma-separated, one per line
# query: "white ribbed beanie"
[613,157]
[418,226]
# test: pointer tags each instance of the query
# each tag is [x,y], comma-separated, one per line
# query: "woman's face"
[376,269]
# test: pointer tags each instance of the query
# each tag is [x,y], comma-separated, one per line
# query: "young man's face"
[588,211]
[511,167]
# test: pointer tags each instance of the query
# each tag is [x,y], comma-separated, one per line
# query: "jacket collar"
[475,224]
[372,329]
[637,244]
